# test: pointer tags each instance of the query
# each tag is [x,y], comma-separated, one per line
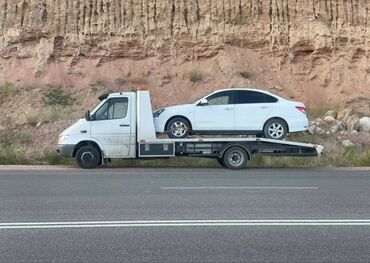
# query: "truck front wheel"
[235,158]
[88,157]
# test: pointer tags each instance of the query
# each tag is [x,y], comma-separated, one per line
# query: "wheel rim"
[236,158]
[276,130]
[179,129]
[87,158]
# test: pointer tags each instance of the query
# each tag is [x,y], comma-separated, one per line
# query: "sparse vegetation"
[56,96]
[244,74]
[12,136]
[53,158]
[7,90]
[9,155]
[32,119]
[55,113]
[121,81]
[357,98]
[99,82]
[195,75]
[319,111]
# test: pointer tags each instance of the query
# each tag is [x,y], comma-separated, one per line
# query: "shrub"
[10,155]
[99,82]
[7,90]
[195,76]
[244,74]
[57,97]
[32,119]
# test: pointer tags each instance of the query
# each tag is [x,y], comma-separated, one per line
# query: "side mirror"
[88,116]
[203,102]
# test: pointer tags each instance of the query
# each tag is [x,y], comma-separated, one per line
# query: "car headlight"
[157,113]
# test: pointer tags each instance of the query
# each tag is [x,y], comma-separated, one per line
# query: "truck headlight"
[62,138]
[157,113]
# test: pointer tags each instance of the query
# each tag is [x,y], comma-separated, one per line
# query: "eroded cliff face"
[297,44]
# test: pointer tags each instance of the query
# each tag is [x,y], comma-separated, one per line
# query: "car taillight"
[301,109]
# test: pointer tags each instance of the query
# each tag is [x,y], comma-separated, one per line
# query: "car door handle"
[228,109]
[125,125]
[265,107]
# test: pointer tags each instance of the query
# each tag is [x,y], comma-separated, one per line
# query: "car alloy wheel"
[276,130]
[179,129]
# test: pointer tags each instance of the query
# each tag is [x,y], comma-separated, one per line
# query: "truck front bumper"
[66,150]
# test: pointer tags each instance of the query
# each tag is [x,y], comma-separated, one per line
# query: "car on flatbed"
[234,111]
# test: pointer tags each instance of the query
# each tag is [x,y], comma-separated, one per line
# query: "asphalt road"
[185,215]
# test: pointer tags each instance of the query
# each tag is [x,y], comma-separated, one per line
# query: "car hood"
[180,107]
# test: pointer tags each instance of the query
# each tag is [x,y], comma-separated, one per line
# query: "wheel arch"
[87,143]
[277,118]
[178,116]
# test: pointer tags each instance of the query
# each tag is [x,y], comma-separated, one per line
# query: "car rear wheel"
[275,129]
[88,157]
[235,158]
[178,128]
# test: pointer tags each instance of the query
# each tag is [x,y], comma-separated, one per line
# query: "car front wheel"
[178,128]
[275,129]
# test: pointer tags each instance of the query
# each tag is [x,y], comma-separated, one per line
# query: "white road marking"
[241,187]
[185,223]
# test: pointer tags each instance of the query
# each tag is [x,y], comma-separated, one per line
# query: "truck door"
[110,126]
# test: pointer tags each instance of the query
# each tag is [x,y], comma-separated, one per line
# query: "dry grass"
[55,113]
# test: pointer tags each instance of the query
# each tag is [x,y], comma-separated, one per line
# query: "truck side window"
[115,108]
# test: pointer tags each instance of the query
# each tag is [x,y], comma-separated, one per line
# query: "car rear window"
[249,97]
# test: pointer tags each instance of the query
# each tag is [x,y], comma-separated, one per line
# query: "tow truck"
[121,126]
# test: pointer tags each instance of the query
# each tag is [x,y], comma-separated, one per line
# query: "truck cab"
[110,129]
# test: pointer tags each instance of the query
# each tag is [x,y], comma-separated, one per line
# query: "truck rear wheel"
[221,162]
[235,158]
[88,157]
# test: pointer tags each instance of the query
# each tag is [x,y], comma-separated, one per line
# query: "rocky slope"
[57,56]
[314,50]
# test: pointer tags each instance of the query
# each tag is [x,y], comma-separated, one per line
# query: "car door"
[252,108]
[217,114]
[111,127]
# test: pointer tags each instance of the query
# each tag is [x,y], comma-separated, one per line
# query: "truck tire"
[275,129]
[88,157]
[178,128]
[221,162]
[235,158]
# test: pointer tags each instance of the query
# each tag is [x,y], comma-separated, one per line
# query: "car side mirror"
[203,102]
[88,116]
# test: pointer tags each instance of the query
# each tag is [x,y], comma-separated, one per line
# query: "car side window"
[249,97]
[221,98]
[115,108]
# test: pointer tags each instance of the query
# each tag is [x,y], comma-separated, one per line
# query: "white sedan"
[234,111]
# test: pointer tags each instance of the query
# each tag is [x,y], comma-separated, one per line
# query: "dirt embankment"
[313,51]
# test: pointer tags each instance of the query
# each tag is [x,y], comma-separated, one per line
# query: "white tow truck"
[121,127]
